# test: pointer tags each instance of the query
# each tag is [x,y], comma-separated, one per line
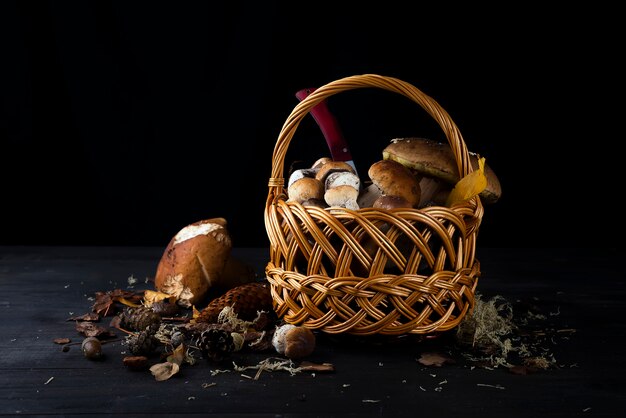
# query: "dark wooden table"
[580,291]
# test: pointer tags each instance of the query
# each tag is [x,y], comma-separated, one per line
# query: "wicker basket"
[315,253]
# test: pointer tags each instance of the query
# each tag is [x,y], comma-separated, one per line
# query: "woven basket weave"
[324,272]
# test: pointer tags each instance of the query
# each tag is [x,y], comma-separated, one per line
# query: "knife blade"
[337,144]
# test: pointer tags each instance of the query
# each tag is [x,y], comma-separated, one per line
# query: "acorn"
[92,348]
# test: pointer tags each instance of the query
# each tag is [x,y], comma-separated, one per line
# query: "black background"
[122,122]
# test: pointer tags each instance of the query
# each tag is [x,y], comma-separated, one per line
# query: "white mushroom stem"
[299,174]
[434,191]
[369,195]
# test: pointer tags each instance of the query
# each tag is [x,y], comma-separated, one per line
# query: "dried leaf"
[90,316]
[116,322]
[89,329]
[169,368]
[151,296]
[127,302]
[104,304]
[178,355]
[435,359]
[61,340]
[163,371]
[469,186]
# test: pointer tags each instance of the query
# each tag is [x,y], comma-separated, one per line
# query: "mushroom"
[394,179]
[434,163]
[393,186]
[331,166]
[194,261]
[320,203]
[295,342]
[303,185]
[320,162]
[342,189]
[368,196]
[391,202]
[405,245]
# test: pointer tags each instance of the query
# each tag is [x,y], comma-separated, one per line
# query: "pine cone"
[144,342]
[246,300]
[215,343]
[138,319]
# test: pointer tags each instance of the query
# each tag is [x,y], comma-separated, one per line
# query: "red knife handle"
[329,126]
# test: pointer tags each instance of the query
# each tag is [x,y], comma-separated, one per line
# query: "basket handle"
[451,131]
[328,124]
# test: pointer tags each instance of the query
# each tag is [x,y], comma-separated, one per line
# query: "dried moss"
[491,333]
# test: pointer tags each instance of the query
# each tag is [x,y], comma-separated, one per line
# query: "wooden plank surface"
[580,290]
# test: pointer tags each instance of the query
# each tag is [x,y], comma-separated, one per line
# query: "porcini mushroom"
[320,162]
[391,202]
[303,186]
[194,261]
[394,179]
[434,163]
[342,189]
[294,342]
[328,167]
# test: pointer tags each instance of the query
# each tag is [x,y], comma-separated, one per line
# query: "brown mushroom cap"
[332,167]
[293,341]
[320,162]
[299,342]
[391,202]
[194,260]
[394,179]
[342,189]
[435,159]
[304,189]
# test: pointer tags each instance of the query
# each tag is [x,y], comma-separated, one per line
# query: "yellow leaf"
[469,186]
[150,297]
[127,302]
[196,312]
[178,355]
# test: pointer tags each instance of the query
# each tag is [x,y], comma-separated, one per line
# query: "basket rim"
[453,135]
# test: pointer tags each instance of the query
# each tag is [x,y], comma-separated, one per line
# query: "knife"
[339,150]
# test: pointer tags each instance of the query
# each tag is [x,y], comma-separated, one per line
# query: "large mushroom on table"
[434,165]
[198,259]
